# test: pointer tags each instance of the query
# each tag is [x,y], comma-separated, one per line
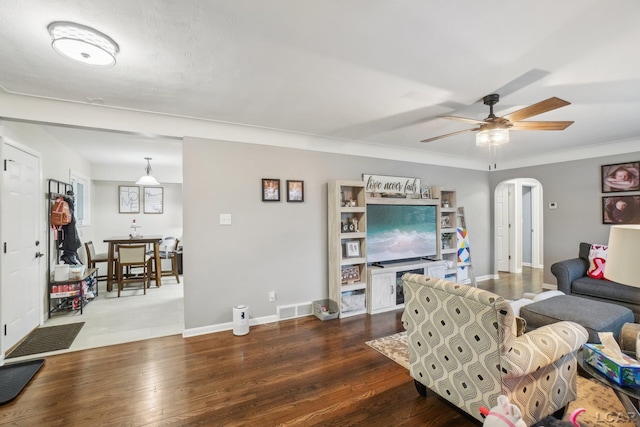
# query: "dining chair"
[168,250]
[132,256]
[93,258]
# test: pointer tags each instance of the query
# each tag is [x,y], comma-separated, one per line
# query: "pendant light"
[147,179]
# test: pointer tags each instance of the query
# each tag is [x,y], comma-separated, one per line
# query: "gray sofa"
[572,279]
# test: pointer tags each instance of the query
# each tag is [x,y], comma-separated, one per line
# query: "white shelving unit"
[448,230]
[452,217]
[347,246]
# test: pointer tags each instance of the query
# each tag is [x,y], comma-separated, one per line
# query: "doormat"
[602,406]
[15,377]
[43,340]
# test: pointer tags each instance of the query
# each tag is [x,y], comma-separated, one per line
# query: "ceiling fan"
[494,130]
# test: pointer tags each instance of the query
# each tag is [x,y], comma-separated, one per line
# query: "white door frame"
[43,229]
[515,219]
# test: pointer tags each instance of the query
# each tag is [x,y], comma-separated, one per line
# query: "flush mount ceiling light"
[83,44]
[147,179]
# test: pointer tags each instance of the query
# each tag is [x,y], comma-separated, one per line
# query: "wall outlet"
[225,219]
[272,296]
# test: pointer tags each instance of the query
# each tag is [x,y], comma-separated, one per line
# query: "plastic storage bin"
[325,309]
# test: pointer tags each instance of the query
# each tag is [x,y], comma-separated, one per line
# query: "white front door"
[21,265]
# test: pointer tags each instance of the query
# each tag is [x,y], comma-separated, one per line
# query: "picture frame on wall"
[129,199]
[270,190]
[621,210]
[295,191]
[352,249]
[153,200]
[620,177]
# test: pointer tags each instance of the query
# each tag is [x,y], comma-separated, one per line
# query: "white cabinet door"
[383,291]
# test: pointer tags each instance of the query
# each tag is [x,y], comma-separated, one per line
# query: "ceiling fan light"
[83,44]
[492,137]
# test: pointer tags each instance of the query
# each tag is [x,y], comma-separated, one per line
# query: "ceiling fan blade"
[541,125]
[464,119]
[535,109]
[449,134]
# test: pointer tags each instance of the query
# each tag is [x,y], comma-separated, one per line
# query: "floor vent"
[294,310]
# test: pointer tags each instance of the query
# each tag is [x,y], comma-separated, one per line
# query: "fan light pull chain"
[492,157]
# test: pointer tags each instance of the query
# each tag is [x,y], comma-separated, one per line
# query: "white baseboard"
[549,287]
[284,312]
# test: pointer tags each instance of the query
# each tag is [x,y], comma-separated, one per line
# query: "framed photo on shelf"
[350,274]
[620,177]
[270,190]
[621,210]
[352,249]
[129,199]
[153,200]
[295,191]
[425,192]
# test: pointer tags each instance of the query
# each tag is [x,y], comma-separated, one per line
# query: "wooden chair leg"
[119,284]
[174,263]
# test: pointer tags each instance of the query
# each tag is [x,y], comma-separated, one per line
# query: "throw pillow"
[597,260]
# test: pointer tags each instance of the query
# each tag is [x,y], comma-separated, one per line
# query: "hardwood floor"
[297,372]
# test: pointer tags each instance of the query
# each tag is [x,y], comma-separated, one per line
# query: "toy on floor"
[504,414]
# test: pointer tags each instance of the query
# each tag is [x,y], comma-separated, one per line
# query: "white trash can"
[241,320]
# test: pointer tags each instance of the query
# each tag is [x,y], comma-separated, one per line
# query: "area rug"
[603,409]
[14,378]
[43,340]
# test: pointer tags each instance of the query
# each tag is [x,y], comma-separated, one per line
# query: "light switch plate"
[225,219]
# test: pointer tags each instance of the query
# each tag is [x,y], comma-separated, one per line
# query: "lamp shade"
[623,255]
[147,180]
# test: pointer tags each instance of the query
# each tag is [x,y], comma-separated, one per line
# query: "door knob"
[39,254]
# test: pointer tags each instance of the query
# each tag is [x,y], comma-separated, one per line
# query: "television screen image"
[401,232]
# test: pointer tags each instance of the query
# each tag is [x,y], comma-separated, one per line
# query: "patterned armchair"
[463,345]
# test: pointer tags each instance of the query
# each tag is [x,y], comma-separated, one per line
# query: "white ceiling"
[375,71]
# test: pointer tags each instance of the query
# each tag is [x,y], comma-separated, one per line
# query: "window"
[82,191]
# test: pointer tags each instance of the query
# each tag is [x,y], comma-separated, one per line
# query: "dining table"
[122,240]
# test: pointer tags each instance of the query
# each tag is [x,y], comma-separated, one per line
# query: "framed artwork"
[352,249]
[129,199]
[270,190]
[295,191]
[620,177]
[621,210]
[153,200]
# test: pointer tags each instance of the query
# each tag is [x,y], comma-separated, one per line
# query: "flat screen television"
[401,232]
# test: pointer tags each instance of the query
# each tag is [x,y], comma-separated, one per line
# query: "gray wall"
[283,246]
[575,186]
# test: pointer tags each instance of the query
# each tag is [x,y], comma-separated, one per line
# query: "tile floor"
[134,316]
